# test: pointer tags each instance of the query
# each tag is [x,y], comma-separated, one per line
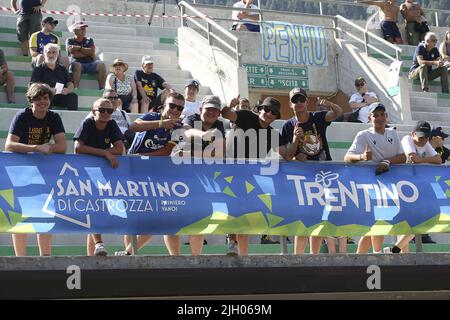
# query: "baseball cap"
[271,103]
[193,82]
[147,60]
[77,25]
[297,91]
[376,106]
[211,102]
[359,80]
[50,20]
[422,129]
[437,132]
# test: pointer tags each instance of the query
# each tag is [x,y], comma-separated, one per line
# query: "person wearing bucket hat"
[148,83]
[191,105]
[81,51]
[382,146]
[246,122]
[123,84]
[437,142]
[40,38]
[303,137]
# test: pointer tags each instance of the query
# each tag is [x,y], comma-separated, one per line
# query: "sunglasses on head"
[103,110]
[272,111]
[298,99]
[174,105]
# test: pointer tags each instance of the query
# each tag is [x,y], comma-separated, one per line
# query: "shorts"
[88,67]
[252,27]
[390,30]
[27,24]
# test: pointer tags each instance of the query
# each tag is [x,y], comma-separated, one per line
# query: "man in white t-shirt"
[191,104]
[381,145]
[362,100]
[417,150]
[245,15]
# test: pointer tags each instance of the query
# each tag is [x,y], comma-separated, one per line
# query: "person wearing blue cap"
[381,145]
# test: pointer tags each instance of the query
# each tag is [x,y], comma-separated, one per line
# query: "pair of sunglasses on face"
[174,105]
[298,99]
[103,110]
[272,111]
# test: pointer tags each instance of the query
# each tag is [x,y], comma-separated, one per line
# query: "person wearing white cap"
[381,145]
[81,50]
[148,83]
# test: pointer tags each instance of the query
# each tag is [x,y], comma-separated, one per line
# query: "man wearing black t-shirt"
[255,131]
[303,137]
[437,142]
[148,83]
[31,131]
[99,136]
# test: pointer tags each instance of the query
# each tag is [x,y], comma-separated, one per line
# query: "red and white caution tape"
[106,14]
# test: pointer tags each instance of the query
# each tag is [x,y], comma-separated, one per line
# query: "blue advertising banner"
[293,44]
[83,194]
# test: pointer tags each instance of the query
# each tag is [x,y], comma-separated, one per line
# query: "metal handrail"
[235,48]
[367,35]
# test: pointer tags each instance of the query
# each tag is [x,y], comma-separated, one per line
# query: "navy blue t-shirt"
[151,140]
[314,130]
[34,131]
[85,43]
[150,83]
[27,6]
[421,50]
[92,137]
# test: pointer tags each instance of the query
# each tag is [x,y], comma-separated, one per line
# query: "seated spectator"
[7,77]
[416,26]
[437,142]
[100,136]
[389,19]
[360,102]
[147,83]
[425,57]
[57,77]
[245,15]
[31,131]
[154,138]
[81,50]
[124,85]
[191,104]
[29,18]
[444,49]
[39,39]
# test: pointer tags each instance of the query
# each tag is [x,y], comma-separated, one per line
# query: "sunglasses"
[272,111]
[174,105]
[103,110]
[361,84]
[298,99]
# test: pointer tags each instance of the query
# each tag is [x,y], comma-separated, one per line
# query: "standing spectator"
[57,77]
[124,85]
[250,122]
[245,15]
[147,83]
[444,48]
[7,77]
[28,20]
[81,50]
[417,150]
[31,131]
[381,145]
[191,104]
[389,19]
[99,136]
[154,138]
[416,26]
[361,100]
[39,39]
[437,142]
[425,57]
[305,133]
[331,244]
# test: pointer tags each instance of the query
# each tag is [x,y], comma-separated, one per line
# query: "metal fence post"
[320,8]
[436,17]
[366,42]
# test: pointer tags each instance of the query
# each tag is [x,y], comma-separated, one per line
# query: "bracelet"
[387,162]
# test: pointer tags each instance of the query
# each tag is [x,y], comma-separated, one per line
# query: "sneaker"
[265,239]
[427,239]
[122,253]
[100,249]
[387,250]
[232,249]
